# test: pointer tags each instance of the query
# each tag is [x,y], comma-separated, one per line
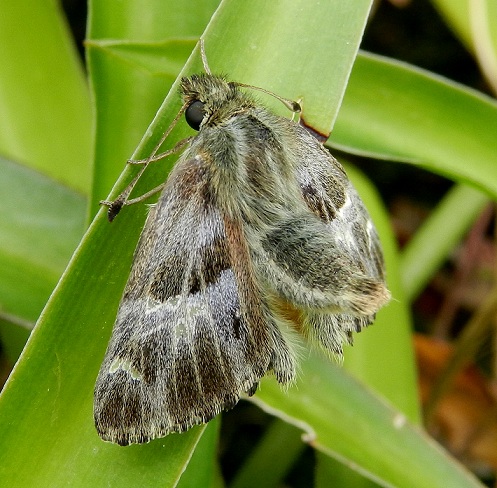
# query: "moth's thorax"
[249,155]
[250,160]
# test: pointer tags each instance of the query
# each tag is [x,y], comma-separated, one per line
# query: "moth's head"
[211,100]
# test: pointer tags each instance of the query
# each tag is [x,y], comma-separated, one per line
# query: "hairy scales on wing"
[310,237]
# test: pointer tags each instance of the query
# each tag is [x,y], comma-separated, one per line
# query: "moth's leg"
[154,156]
[157,157]
[116,205]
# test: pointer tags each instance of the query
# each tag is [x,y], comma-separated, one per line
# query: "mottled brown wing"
[192,332]
[325,257]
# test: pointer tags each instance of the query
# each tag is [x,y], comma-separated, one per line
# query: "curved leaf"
[401,455]
[44,99]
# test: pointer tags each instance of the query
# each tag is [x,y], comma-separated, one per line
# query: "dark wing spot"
[167,279]
[318,205]
[262,134]
[212,261]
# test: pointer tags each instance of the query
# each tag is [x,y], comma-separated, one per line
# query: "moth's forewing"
[324,257]
[192,332]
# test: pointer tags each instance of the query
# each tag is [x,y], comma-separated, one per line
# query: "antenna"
[204,57]
[291,105]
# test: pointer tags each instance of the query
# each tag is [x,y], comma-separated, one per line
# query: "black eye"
[194,114]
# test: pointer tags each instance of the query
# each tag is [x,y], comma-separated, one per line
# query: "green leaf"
[474,24]
[370,436]
[42,223]
[456,15]
[202,465]
[400,112]
[273,457]
[429,248]
[332,472]
[44,125]
[46,116]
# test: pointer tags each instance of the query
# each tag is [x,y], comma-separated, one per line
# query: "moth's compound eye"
[194,114]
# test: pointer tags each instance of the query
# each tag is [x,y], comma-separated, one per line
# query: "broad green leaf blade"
[274,455]
[456,15]
[45,110]
[330,472]
[482,18]
[474,23]
[159,20]
[201,469]
[389,107]
[313,66]
[44,125]
[41,223]
[379,441]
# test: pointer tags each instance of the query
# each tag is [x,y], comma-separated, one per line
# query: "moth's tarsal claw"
[114,208]
[251,391]
[296,107]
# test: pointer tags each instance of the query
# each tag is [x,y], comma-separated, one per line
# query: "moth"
[255,219]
